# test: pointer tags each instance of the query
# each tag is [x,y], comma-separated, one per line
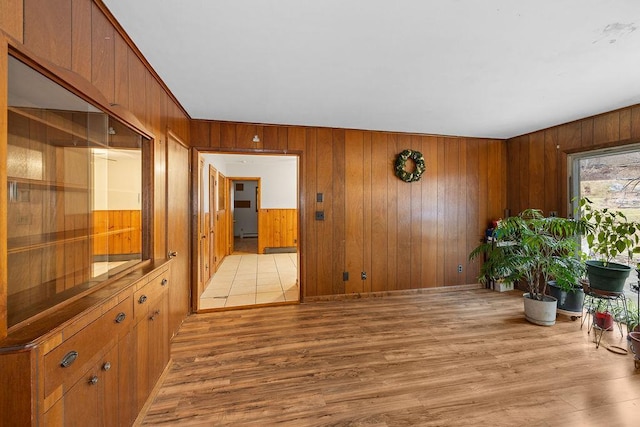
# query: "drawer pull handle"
[106,366]
[154,315]
[69,358]
[120,317]
[142,299]
[93,380]
[164,282]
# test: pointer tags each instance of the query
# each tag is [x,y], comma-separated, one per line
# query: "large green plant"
[609,232]
[533,248]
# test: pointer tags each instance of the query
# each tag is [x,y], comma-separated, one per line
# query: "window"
[610,179]
[74,194]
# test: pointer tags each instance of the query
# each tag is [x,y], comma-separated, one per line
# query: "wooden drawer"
[67,362]
[148,295]
[93,399]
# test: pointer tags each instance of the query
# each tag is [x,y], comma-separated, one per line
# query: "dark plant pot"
[609,278]
[567,300]
[604,320]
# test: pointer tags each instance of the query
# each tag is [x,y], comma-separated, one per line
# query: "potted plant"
[609,234]
[602,317]
[570,300]
[535,249]
[631,318]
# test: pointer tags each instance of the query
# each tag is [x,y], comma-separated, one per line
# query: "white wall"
[278,176]
[117,176]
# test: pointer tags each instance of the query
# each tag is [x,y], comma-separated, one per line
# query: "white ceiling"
[492,68]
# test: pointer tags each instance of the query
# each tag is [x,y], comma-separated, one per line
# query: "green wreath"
[401,162]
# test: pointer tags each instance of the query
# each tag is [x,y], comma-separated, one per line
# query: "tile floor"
[248,279]
[99,268]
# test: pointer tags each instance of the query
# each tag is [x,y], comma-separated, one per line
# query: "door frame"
[213,207]
[196,152]
[195,240]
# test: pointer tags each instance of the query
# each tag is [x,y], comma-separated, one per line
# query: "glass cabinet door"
[74,194]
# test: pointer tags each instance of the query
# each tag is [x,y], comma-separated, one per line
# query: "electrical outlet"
[459,268]
[319,215]
[363,275]
[345,276]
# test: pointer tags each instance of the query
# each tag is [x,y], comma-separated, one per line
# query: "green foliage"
[401,162]
[533,248]
[632,320]
[609,233]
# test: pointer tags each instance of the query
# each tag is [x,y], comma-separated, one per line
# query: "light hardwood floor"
[465,358]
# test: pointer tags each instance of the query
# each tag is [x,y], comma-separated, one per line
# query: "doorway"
[245,198]
[253,201]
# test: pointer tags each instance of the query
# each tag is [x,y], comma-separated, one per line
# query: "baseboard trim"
[441,289]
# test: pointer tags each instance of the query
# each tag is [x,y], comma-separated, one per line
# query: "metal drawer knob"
[106,366]
[120,317]
[164,282]
[142,299]
[93,380]
[69,358]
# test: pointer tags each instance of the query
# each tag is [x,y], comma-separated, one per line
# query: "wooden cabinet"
[152,335]
[93,362]
[79,229]
[93,399]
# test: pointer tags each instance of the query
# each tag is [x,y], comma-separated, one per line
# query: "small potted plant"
[631,318]
[535,249]
[609,234]
[602,317]
[571,299]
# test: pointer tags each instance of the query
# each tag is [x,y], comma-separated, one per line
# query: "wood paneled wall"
[277,228]
[401,235]
[82,36]
[3,188]
[537,162]
[117,232]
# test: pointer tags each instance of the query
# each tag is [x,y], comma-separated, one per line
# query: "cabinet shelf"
[29,243]
[46,185]
[61,124]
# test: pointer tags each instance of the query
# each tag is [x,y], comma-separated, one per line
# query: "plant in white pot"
[609,234]
[535,249]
